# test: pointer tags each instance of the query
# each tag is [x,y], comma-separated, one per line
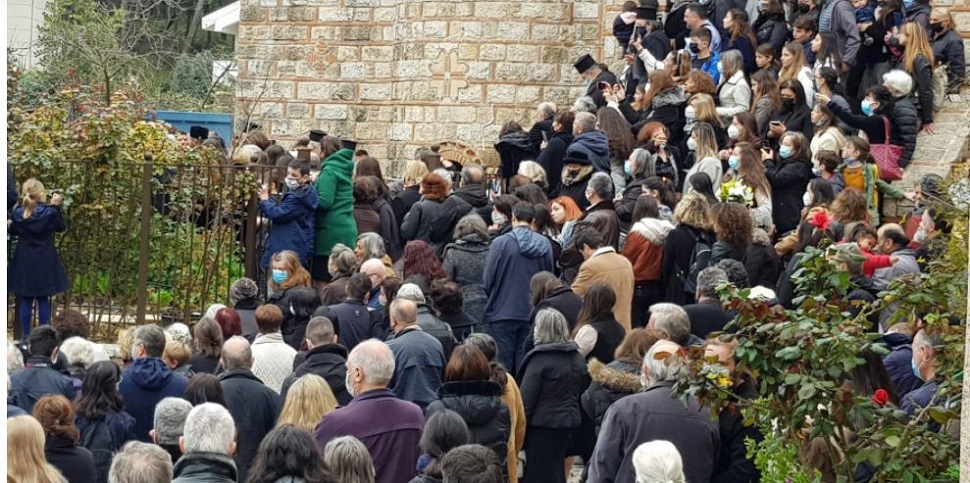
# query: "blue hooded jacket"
[596,146]
[293,225]
[143,384]
[899,363]
[512,260]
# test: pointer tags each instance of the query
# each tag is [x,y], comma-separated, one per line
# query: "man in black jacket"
[471,188]
[351,319]
[542,130]
[39,378]
[253,406]
[325,358]
[209,440]
[596,74]
[706,315]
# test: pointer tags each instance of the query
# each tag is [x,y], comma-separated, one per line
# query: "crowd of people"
[446,327]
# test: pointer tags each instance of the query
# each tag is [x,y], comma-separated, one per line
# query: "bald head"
[374,269]
[547,110]
[403,313]
[892,237]
[472,174]
[370,364]
[236,354]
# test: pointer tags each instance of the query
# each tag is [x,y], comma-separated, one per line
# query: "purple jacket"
[389,427]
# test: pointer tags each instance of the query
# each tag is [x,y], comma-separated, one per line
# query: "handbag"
[887,157]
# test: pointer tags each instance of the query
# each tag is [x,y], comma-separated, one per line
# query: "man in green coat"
[335,211]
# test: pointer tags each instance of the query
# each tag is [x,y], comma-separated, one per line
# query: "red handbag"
[887,158]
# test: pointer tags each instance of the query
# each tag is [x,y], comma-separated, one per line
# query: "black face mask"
[788,104]
[803,8]
[936,28]
[693,48]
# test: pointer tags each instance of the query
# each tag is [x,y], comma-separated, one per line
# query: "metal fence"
[152,243]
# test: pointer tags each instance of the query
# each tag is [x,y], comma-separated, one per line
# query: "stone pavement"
[937,153]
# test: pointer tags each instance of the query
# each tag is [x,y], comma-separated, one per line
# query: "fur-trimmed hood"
[761,237]
[672,96]
[653,229]
[618,376]
[568,179]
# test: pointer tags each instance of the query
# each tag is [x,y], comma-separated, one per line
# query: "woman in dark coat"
[554,377]
[56,415]
[208,340]
[419,221]
[734,228]
[548,292]
[948,49]
[35,272]
[788,175]
[576,173]
[794,114]
[770,27]
[341,265]
[733,464]
[513,146]
[103,424]
[597,331]
[619,378]
[366,192]
[693,219]
[665,102]
[552,157]
[464,262]
[640,166]
[918,62]
[469,391]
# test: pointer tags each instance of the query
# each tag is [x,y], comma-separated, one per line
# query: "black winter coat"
[327,361]
[722,250]
[35,269]
[352,322]
[205,468]
[667,109]
[418,222]
[610,382]
[464,262]
[563,300]
[390,229]
[575,187]
[762,263]
[480,404]
[36,380]
[788,179]
[948,49]
[208,365]
[443,227]
[254,408]
[874,126]
[676,259]
[513,148]
[923,85]
[771,29]
[624,207]
[403,202]
[904,126]
[434,326]
[733,465]
[104,437]
[551,159]
[74,462]
[552,380]
[541,131]
[799,120]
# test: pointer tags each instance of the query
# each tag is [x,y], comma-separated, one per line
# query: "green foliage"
[777,460]
[804,360]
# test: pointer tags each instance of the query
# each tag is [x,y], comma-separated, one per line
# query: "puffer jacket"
[923,84]
[419,221]
[596,146]
[551,158]
[948,49]
[204,468]
[762,262]
[464,262]
[480,404]
[554,377]
[904,125]
[788,179]
[645,246]
[610,382]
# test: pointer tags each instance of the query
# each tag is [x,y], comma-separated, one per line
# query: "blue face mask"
[908,3]
[784,151]
[280,276]
[628,169]
[867,107]
[850,160]
[916,369]
[734,162]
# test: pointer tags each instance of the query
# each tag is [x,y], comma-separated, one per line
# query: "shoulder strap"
[885,121]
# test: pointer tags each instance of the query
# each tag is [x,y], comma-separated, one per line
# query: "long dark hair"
[742,26]
[598,301]
[702,184]
[487,345]
[99,392]
[664,188]
[646,207]
[288,451]
[304,301]
[205,388]
[541,285]
[617,130]
[822,193]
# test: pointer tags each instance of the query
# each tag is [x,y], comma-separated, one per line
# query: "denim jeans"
[510,336]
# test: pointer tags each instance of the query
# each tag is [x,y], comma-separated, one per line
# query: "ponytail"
[29,205]
[33,191]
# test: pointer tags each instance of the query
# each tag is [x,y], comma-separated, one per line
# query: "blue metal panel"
[218,122]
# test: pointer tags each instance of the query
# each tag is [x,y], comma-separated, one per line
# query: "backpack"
[700,258]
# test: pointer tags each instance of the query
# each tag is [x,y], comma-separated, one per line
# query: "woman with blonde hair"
[795,67]
[692,217]
[25,453]
[307,402]
[56,416]
[705,154]
[917,61]
[348,461]
[535,172]
[35,273]
[286,274]
[734,93]
[414,172]
[948,48]
[705,112]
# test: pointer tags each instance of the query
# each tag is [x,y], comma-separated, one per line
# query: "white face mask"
[691,144]
[349,384]
[807,199]
[720,67]
[292,183]
[920,236]
[498,218]
[733,132]
[690,112]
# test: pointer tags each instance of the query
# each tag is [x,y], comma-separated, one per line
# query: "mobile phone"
[604,86]
[775,123]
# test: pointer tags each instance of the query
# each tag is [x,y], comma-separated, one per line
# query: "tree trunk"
[196,21]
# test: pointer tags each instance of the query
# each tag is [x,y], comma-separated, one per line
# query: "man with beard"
[597,76]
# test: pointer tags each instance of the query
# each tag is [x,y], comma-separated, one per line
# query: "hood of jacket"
[594,142]
[653,229]
[472,242]
[531,244]
[474,194]
[519,139]
[476,401]
[671,96]
[211,466]
[581,176]
[616,377]
[894,340]
[150,373]
[761,237]
[567,346]
[342,160]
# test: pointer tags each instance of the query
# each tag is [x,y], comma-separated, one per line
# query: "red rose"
[880,398]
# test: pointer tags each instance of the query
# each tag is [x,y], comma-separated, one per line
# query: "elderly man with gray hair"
[389,427]
[542,130]
[673,321]
[208,445]
[904,118]
[707,315]
[427,320]
[419,357]
[170,414]
[139,462]
[590,141]
[656,414]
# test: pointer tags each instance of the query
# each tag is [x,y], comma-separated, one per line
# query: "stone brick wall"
[397,75]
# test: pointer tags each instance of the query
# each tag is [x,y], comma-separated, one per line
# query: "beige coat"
[513,399]
[615,270]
